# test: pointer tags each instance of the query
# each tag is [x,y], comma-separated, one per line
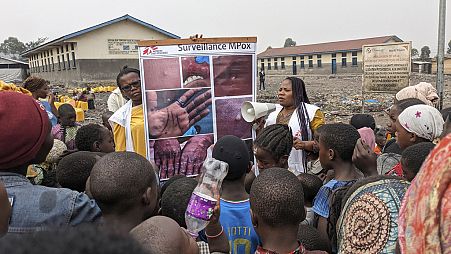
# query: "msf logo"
[150,50]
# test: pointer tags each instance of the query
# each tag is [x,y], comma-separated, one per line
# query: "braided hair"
[300,98]
[277,139]
[33,83]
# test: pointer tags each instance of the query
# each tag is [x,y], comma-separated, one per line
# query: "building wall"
[446,64]
[97,55]
[285,64]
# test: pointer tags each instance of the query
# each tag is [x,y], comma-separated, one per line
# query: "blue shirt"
[236,220]
[48,108]
[321,204]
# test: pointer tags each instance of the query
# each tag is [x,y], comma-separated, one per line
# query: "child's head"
[175,199]
[234,152]
[161,234]
[169,182]
[74,169]
[94,138]
[380,133]
[124,182]
[413,157]
[273,146]
[311,185]
[312,239]
[363,120]
[67,115]
[105,117]
[418,123]
[277,200]
[337,142]
[397,108]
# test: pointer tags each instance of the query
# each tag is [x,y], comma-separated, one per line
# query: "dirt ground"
[338,96]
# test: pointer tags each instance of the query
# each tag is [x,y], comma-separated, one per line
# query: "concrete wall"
[447,66]
[106,69]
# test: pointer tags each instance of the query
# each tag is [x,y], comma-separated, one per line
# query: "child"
[66,129]
[272,147]
[277,202]
[161,234]
[413,157]
[125,185]
[311,185]
[235,217]
[363,120]
[336,146]
[105,122]
[311,238]
[94,138]
[74,169]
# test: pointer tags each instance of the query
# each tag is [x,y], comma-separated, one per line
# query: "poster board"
[386,67]
[192,94]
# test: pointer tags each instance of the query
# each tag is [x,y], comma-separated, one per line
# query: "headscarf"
[368,136]
[425,216]
[422,91]
[24,126]
[368,221]
[423,120]
[9,87]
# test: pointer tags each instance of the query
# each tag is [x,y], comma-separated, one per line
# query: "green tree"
[449,48]
[289,43]
[33,44]
[414,53]
[12,45]
[425,53]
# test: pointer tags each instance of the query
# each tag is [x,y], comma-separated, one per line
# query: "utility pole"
[441,51]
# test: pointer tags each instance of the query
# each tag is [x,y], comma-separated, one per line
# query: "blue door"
[334,66]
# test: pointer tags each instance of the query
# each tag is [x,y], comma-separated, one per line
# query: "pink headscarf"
[422,91]
[368,136]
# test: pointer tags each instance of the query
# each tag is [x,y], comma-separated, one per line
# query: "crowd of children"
[66,188]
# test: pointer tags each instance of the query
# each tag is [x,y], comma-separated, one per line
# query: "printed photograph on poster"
[196,71]
[232,75]
[180,112]
[162,73]
[229,120]
[180,156]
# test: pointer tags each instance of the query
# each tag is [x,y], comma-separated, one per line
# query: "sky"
[305,21]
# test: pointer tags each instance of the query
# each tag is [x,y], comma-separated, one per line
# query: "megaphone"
[250,111]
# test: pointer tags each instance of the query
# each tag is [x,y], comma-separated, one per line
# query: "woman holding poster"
[128,121]
[302,117]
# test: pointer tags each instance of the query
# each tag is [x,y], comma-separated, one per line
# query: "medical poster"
[193,91]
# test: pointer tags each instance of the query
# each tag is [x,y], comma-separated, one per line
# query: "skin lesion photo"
[162,73]
[196,71]
[232,75]
[228,113]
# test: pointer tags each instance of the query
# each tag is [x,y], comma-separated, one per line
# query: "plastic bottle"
[204,197]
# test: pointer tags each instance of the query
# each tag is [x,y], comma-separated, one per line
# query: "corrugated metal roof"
[13,61]
[107,23]
[335,46]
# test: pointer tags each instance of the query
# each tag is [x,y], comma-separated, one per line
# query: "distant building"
[446,65]
[422,67]
[95,53]
[12,71]
[323,58]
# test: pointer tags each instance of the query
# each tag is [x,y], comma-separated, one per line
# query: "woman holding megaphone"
[303,118]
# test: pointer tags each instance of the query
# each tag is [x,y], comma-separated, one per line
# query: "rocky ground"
[338,96]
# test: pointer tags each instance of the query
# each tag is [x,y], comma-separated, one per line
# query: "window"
[64,62]
[67,47]
[51,52]
[62,49]
[318,56]
[68,61]
[343,54]
[74,66]
[302,65]
[343,62]
[318,62]
[302,57]
[354,61]
[42,65]
[294,58]
[282,63]
[53,65]
[310,63]
[57,50]
[310,57]
[72,46]
[59,63]
[262,66]
[275,66]
[269,65]
[334,55]
[354,53]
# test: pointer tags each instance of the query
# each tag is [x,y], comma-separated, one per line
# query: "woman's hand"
[303,145]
